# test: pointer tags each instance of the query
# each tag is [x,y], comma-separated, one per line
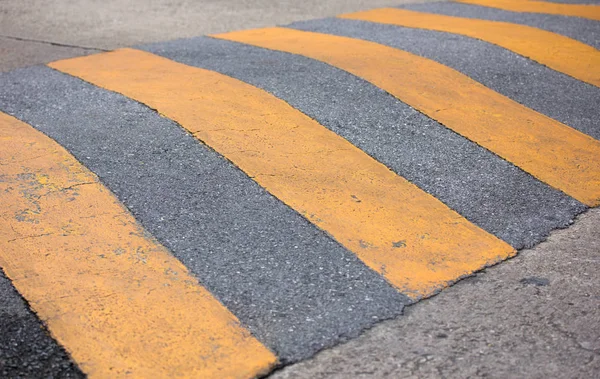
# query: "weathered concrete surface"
[535,316]
[109,24]
[15,53]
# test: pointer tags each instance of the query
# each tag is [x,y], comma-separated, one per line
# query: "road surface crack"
[27,237]
[568,335]
[52,43]
[66,188]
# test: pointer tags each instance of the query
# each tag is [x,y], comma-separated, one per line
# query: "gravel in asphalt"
[534,316]
[586,31]
[213,217]
[538,87]
[26,348]
[295,288]
[486,189]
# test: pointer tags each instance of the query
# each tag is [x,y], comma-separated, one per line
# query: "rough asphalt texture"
[26,348]
[295,288]
[529,344]
[534,316]
[487,190]
[584,30]
[31,29]
[538,87]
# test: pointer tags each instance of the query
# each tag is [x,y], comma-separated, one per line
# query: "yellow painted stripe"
[118,301]
[558,52]
[555,153]
[591,12]
[398,230]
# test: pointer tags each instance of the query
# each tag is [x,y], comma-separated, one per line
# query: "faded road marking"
[555,153]
[589,11]
[411,238]
[118,301]
[558,52]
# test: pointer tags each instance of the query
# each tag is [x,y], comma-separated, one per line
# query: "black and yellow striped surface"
[220,205]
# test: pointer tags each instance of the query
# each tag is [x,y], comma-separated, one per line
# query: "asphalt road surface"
[322,199]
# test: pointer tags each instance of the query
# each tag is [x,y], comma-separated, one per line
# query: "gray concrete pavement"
[83,25]
[15,53]
[535,316]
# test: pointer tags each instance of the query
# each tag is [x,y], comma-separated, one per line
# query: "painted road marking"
[558,52]
[118,301]
[580,29]
[466,177]
[589,11]
[553,152]
[292,285]
[529,83]
[398,230]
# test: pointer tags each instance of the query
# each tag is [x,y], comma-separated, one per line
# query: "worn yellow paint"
[589,11]
[553,152]
[558,52]
[398,230]
[118,301]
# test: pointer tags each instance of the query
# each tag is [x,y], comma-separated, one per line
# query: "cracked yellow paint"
[553,152]
[558,52]
[413,239]
[119,302]
[589,11]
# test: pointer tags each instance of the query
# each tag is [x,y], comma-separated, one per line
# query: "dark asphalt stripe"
[379,216]
[295,288]
[26,348]
[535,6]
[102,285]
[586,31]
[487,190]
[590,12]
[552,93]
